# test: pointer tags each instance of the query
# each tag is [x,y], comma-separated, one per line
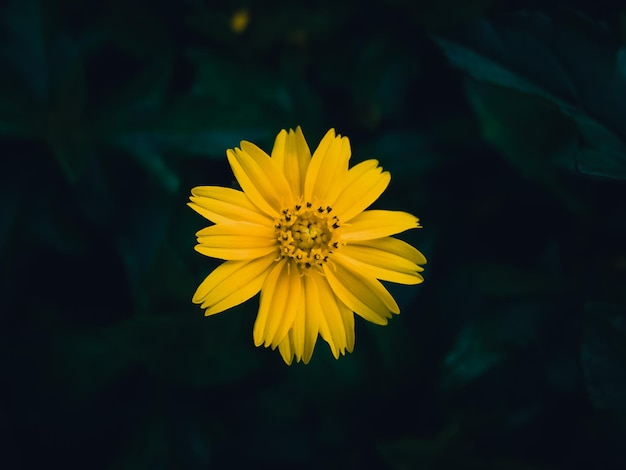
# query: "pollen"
[307,234]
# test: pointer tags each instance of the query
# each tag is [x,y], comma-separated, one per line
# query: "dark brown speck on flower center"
[306,233]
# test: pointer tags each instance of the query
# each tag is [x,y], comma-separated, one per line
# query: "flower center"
[306,234]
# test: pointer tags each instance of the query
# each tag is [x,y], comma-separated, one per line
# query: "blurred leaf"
[210,143]
[444,14]
[296,24]
[20,113]
[24,79]
[98,189]
[137,102]
[405,153]
[441,453]
[150,127]
[501,280]
[621,61]
[67,128]
[50,62]
[502,330]
[55,226]
[236,93]
[531,133]
[476,350]
[193,438]
[149,447]
[535,54]
[83,363]
[10,206]
[153,161]
[8,440]
[117,21]
[170,278]
[603,355]
[275,411]
[10,201]
[386,73]
[139,238]
[186,349]
[410,453]
[213,23]
[25,47]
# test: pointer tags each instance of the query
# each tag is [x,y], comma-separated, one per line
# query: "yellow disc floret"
[306,233]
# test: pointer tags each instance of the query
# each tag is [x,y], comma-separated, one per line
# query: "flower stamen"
[306,235]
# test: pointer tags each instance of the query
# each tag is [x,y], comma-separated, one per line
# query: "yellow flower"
[299,233]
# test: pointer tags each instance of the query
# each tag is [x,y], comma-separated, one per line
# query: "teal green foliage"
[573,63]
[502,123]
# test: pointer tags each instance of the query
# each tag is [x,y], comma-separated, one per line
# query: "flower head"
[299,233]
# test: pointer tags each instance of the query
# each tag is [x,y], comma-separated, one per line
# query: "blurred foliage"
[502,124]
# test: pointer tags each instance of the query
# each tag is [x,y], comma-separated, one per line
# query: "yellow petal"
[329,165]
[373,224]
[290,300]
[292,155]
[394,247]
[280,298]
[380,264]
[347,316]
[332,328]
[306,324]
[260,178]
[296,335]
[365,183]
[232,283]
[286,349]
[363,294]
[301,338]
[236,241]
[226,205]
[263,314]
[311,326]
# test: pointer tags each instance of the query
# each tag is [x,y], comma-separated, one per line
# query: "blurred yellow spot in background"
[240,19]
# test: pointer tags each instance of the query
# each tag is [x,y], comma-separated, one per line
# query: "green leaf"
[603,355]
[571,64]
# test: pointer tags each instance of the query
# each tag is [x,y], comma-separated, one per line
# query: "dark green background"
[504,132]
